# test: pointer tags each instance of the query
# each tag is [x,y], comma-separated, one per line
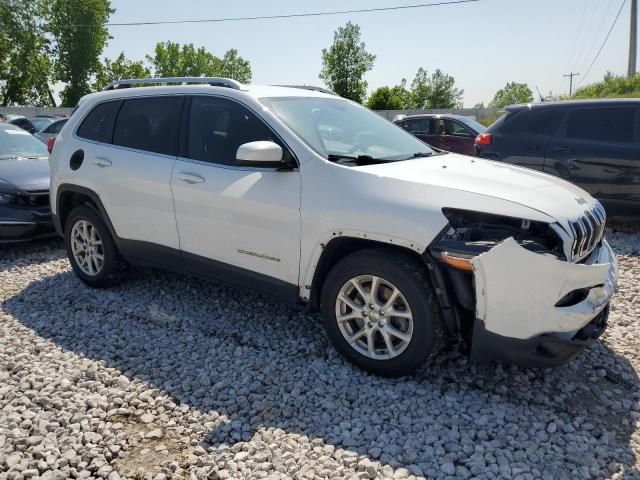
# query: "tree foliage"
[612,86]
[434,91]
[80,34]
[513,93]
[346,62]
[118,69]
[385,98]
[174,60]
[24,54]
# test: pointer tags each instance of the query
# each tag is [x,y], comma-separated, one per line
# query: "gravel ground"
[172,377]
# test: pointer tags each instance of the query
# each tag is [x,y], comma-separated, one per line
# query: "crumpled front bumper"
[517,297]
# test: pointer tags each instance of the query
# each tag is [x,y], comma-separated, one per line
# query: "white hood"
[544,193]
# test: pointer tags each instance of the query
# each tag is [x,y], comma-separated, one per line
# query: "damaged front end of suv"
[523,291]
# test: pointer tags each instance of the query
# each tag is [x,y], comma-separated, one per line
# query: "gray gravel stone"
[167,376]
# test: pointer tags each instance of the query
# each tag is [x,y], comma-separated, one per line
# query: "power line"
[290,15]
[594,41]
[582,54]
[605,41]
[575,40]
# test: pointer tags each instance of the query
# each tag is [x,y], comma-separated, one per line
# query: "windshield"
[335,127]
[15,142]
[477,126]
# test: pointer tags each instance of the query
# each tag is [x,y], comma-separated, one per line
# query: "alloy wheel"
[86,247]
[374,317]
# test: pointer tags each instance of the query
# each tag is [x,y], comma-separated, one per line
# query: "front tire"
[380,312]
[91,249]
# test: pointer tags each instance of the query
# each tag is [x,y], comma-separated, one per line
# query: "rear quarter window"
[535,121]
[98,125]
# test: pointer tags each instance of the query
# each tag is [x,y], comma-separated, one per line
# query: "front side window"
[98,125]
[602,124]
[217,127]
[149,124]
[315,120]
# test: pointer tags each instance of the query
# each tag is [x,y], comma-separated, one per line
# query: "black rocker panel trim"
[154,255]
[160,256]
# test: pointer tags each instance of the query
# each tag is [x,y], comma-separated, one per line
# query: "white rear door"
[129,165]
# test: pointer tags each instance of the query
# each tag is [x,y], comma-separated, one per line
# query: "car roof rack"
[310,87]
[213,81]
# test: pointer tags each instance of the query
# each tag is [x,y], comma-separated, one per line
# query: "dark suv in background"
[592,143]
[453,133]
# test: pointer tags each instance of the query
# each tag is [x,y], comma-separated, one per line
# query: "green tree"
[384,98]
[400,91]
[80,35]
[444,94]
[174,60]
[346,62]
[24,54]
[513,93]
[118,69]
[434,91]
[611,86]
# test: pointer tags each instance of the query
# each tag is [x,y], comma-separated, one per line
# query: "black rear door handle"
[561,149]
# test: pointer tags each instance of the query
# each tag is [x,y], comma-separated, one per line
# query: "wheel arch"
[71,196]
[337,248]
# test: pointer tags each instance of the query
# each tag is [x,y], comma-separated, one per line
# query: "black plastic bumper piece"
[23,223]
[543,351]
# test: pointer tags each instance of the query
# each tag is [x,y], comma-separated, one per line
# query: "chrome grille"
[588,231]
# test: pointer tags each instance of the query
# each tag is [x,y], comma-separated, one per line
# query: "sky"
[483,45]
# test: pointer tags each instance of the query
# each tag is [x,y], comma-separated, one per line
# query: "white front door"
[239,223]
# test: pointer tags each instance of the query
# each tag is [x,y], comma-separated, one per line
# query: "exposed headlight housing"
[470,234]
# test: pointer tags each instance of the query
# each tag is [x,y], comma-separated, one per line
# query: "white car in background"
[312,198]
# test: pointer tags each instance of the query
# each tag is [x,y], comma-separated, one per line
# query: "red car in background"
[453,133]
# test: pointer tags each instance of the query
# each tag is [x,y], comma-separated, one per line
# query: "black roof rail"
[213,81]
[310,87]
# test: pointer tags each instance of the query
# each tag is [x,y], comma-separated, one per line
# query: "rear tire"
[91,250]
[404,327]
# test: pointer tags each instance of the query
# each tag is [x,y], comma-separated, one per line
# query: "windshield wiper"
[421,154]
[360,159]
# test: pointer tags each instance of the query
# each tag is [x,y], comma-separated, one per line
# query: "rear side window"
[602,124]
[217,127]
[535,121]
[417,126]
[55,127]
[149,124]
[98,125]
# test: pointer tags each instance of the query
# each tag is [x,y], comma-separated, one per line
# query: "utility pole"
[633,39]
[571,75]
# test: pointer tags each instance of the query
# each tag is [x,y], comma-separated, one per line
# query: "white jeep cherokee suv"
[303,195]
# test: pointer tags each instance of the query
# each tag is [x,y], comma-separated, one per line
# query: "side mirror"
[260,154]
